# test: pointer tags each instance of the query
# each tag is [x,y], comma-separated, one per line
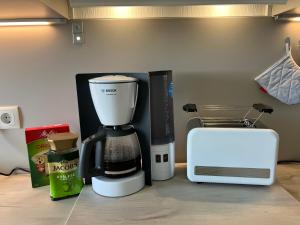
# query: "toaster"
[235,151]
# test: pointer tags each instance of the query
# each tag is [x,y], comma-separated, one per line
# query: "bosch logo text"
[109,90]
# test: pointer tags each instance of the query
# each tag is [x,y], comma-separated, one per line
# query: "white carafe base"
[162,169]
[118,187]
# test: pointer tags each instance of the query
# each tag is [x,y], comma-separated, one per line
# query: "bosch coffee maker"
[127,130]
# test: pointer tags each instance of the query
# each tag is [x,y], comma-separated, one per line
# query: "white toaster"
[232,155]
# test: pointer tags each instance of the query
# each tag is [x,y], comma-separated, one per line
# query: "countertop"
[176,201]
[288,175]
[21,204]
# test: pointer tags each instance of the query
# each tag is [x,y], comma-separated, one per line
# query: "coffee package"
[63,160]
[38,148]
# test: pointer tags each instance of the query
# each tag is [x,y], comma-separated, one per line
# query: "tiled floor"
[288,176]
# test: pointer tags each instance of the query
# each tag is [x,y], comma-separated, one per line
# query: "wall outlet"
[77,31]
[77,27]
[9,117]
[78,39]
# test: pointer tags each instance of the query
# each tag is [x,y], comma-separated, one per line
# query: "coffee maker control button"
[166,158]
[157,158]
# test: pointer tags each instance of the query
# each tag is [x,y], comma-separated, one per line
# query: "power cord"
[15,169]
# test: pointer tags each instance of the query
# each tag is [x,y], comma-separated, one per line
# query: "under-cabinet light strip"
[286,17]
[30,22]
[141,12]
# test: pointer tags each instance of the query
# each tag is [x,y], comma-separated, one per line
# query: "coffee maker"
[152,122]
[112,156]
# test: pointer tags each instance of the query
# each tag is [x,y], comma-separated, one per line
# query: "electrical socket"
[78,39]
[77,31]
[9,117]
[77,27]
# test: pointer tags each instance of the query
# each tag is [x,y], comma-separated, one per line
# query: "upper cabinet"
[288,11]
[105,9]
[34,9]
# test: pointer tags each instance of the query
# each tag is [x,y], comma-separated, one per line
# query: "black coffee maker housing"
[90,123]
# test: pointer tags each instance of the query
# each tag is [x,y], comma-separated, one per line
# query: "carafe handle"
[92,145]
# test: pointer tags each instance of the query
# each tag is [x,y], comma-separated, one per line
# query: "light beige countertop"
[20,204]
[288,175]
[179,201]
[176,201]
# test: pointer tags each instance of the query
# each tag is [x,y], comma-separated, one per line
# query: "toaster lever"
[263,108]
[190,107]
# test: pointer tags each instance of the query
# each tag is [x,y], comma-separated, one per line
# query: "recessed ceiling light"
[30,22]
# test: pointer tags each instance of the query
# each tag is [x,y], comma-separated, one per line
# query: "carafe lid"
[117,131]
[112,79]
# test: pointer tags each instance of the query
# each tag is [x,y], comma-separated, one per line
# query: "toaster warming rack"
[243,120]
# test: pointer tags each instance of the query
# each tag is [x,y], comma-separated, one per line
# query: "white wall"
[214,62]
